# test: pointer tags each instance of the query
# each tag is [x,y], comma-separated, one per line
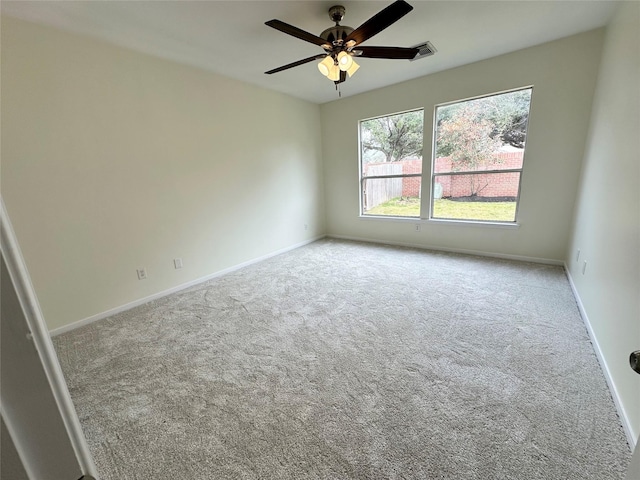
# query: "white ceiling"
[230,38]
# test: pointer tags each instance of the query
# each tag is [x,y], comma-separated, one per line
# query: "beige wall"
[112,160]
[563,74]
[606,227]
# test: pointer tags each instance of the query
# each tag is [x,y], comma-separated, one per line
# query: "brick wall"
[491,185]
[411,185]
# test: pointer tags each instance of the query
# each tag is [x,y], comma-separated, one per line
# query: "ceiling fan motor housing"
[336,35]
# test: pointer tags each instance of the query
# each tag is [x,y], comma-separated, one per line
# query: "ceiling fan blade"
[298,33]
[379,22]
[295,64]
[387,52]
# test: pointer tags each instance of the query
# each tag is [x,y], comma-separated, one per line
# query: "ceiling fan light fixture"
[344,61]
[326,65]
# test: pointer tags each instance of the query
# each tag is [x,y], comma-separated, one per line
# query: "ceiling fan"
[341,43]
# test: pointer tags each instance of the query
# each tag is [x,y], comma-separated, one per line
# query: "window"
[391,164]
[479,153]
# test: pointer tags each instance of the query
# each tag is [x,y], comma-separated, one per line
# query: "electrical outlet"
[142,273]
[417,227]
[177,263]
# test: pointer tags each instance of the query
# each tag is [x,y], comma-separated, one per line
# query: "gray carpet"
[344,360]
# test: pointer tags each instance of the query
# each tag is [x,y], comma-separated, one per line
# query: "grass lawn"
[443,208]
[407,207]
[496,211]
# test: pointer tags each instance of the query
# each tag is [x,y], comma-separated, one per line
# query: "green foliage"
[396,136]
[507,113]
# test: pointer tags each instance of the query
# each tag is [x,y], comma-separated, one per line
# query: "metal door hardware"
[634,361]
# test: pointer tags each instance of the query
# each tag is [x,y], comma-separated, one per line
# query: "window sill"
[391,218]
[473,223]
[441,221]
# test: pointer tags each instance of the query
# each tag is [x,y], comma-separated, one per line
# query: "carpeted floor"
[345,360]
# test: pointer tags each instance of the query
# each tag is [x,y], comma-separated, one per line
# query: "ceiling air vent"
[425,49]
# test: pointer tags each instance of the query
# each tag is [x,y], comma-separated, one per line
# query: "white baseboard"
[626,424]
[479,253]
[164,293]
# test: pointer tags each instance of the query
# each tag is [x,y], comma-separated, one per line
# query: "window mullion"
[392,176]
[478,172]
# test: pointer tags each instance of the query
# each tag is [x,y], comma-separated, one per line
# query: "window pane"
[398,197]
[392,138]
[391,146]
[485,197]
[485,134]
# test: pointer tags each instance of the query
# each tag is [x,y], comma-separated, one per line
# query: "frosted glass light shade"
[354,67]
[344,61]
[326,65]
[334,73]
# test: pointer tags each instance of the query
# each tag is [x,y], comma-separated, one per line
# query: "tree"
[396,136]
[508,112]
[466,137]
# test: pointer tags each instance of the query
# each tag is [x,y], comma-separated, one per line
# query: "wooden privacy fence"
[380,190]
